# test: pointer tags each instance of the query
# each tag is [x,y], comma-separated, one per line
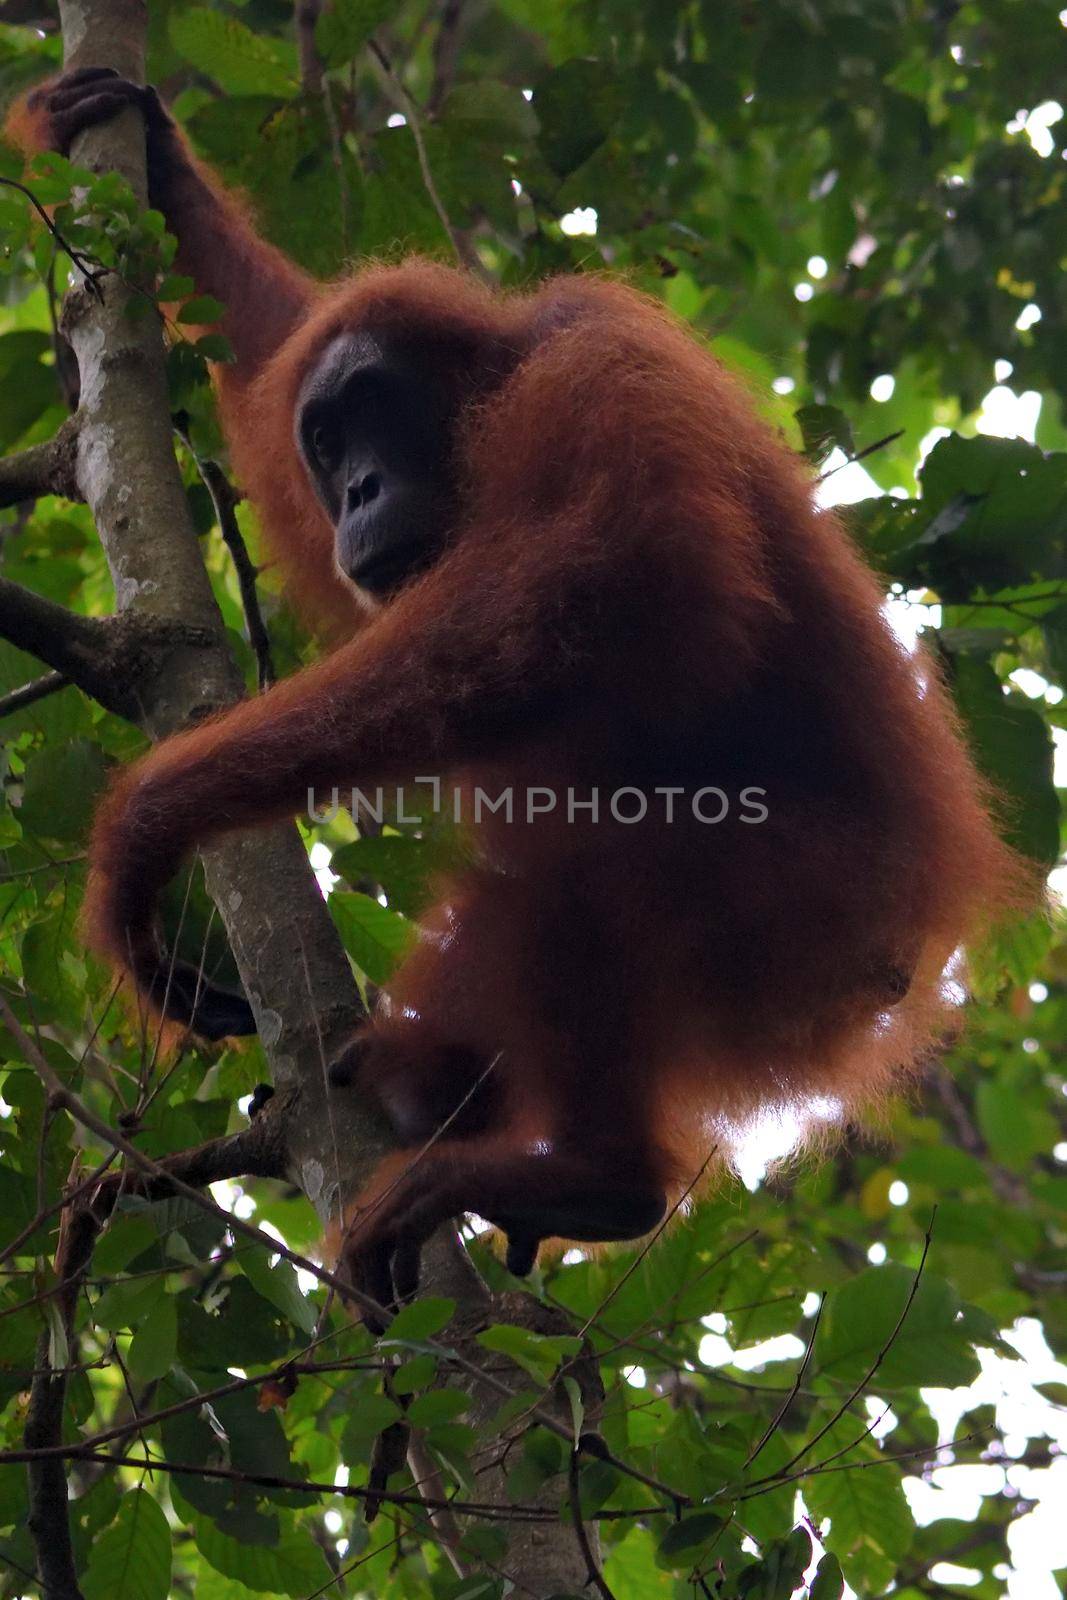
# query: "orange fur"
[638,592]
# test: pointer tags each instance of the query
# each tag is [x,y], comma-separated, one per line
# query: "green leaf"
[632,1569]
[239,61]
[131,1559]
[538,1354]
[490,112]
[214,347]
[345,26]
[995,512]
[828,1582]
[376,938]
[474,1588]
[418,1373]
[405,867]
[681,1542]
[125,1303]
[1013,749]
[154,1346]
[277,1283]
[202,309]
[14,1496]
[457,1460]
[294,1566]
[370,1417]
[27,386]
[825,429]
[62,784]
[128,1236]
[421,1319]
[175,286]
[871,1527]
[577,1404]
[577,104]
[1016,1126]
[930,1345]
[439,1405]
[781,1571]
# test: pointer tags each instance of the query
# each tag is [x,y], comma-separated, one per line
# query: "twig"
[39,689]
[824,1468]
[225,500]
[775,1422]
[1006,1185]
[419,1155]
[256,1152]
[307,15]
[871,1370]
[406,106]
[445,54]
[879,444]
[650,1241]
[78,1452]
[233,1156]
[14,1245]
[861,455]
[596,1577]
[91,271]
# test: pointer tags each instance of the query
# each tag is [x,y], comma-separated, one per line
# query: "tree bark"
[293,967]
[291,961]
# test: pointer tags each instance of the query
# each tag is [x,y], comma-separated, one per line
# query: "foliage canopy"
[837,195]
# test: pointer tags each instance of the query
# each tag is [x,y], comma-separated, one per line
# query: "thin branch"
[265,1480]
[14,1245]
[307,15]
[445,54]
[47,468]
[362,1217]
[651,1240]
[30,693]
[157,1179]
[193,1402]
[824,1469]
[879,444]
[256,1150]
[861,455]
[596,1577]
[871,1370]
[775,1422]
[225,500]
[1006,1185]
[409,110]
[90,270]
